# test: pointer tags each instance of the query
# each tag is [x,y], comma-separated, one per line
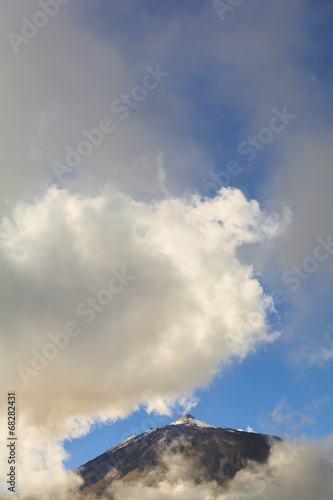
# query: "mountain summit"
[188,446]
[188,419]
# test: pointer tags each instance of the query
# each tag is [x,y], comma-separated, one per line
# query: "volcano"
[211,454]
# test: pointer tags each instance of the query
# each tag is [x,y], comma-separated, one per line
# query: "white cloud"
[188,306]
[288,420]
[294,419]
[321,357]
[297,470]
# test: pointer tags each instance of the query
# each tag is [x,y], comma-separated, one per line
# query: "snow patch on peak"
[248,429]
[188,419]
[122,443]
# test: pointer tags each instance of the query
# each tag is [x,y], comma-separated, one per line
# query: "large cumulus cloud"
[151,297]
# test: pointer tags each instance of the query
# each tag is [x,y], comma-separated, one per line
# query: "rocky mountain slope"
[209,453]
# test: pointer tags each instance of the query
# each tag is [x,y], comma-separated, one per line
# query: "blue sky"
[135,136]
[246,395]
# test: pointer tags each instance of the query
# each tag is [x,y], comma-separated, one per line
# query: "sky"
[167,240]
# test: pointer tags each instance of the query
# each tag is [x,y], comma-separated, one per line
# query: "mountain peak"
[220,453]
[188,419]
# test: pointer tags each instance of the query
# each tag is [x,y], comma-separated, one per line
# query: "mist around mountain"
[192,459]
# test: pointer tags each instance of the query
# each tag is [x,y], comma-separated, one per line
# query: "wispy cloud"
[289,420]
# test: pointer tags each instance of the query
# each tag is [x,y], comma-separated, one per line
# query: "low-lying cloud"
[295,470]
